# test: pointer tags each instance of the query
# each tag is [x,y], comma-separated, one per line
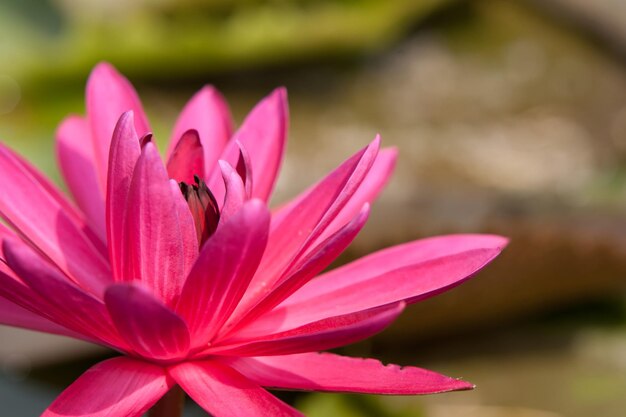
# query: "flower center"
[203,207]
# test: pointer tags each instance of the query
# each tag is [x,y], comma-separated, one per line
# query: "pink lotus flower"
[209,290]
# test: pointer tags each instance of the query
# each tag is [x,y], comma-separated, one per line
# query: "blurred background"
[510,117]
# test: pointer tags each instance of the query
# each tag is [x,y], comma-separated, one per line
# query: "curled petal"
[235,191]
[187,158]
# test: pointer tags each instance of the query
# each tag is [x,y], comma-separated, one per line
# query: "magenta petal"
[109,95]
[20,311]
[298,229]
[208,114]
[318,259]
[223,271]
[125,152]
[374,182]
[410,272]
[64,302]
[224,392]
[187,158]
[148,325]
[42,219]
[75,154]
[321,335]
[12,314]
[263,134]
[235,191]
[160,253]
[118,387]
[334,373]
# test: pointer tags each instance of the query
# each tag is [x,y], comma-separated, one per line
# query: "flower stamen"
[203,206]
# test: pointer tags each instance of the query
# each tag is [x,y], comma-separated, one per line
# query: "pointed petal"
[315,262]
[305,221]
[64,302]
[263,134]
[321,335]
[334,373]
[118,387]
[187,158]
[235,191]
[109,95]
[224,392]
[159,253]
[187,229]
[373,183]
[149,326]
[53,192]
[75,153]
[244,169]
[13,315]
[13,311]
[223,271]
[125,152]
[208,114]
[42,219]
[409,272]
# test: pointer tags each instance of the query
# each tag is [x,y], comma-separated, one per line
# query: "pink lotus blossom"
[182,268]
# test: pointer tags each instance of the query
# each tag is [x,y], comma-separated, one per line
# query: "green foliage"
[165,39]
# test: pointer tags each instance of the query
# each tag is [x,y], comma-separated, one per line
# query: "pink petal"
[188,232]
[118,387]
[409,272]
[160,252]
[303,224]
[208,114]
[223,271]
[12,314]
[235,191]
[374,182]
[187,158]
[109,95]
[149,326]
[43,220]
[263,134]
[321,335]
[125,152]
[56,194]
[59,299]
[75,154]
[316,261]
[224,392]
[334,373]
[244,169]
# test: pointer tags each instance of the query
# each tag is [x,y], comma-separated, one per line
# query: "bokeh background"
[510,117]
